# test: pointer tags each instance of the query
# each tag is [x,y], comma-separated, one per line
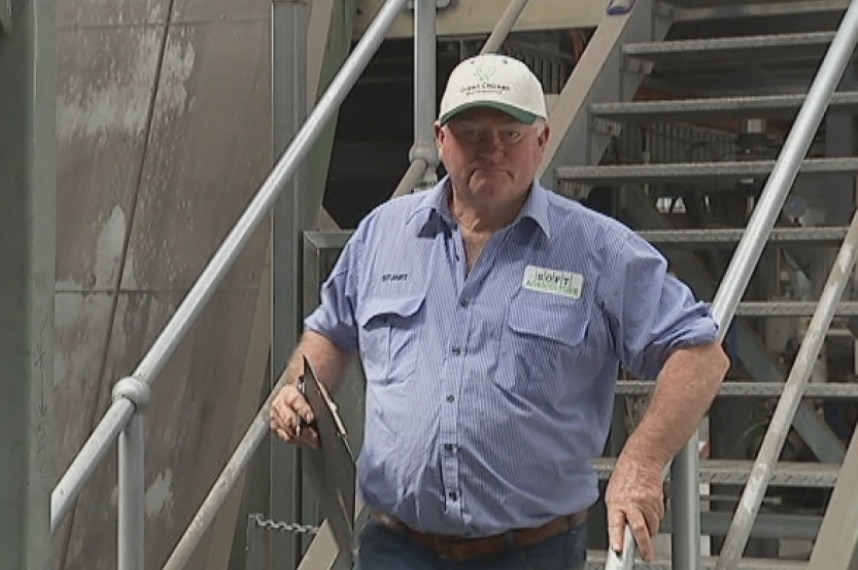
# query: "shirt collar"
[436,202]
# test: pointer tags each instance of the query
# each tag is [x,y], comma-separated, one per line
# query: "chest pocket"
[389,329]
[543,343]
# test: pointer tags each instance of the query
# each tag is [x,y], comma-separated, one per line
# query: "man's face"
[491,157]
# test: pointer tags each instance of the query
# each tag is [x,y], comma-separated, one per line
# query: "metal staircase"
[634,187]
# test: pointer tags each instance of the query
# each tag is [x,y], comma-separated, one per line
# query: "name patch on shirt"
[552,281]
[387,277]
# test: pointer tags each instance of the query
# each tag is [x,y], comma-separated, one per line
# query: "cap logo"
[484,71]
[483,74]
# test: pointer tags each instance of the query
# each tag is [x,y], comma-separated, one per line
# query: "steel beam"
[598,77]
[837,543]
[289,21]
[27,253]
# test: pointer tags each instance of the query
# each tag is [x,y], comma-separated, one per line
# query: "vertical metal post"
[132,477]
[289,21]
[27,253]
[425,108]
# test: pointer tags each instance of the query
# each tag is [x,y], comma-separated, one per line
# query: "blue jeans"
[384,549]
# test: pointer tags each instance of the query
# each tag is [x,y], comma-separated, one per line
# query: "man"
[491,317]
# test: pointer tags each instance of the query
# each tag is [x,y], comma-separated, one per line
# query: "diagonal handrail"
[120,412]
[685,469]
[257,430]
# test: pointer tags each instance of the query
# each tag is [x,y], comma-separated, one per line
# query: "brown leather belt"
[458,548]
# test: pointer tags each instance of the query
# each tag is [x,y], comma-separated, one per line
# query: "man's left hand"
[635,496]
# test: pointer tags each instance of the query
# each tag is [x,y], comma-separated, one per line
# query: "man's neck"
[484,219]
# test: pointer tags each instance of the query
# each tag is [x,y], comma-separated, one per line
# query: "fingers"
[643,525]
[616,528]
[288,411]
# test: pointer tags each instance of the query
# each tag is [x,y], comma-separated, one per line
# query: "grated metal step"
[695,171]
[740,50]
[596,561]
[771,106]
[791,308]
[737,472]
[833,235]
[833,390]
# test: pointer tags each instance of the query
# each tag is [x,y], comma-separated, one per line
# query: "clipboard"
[331,468]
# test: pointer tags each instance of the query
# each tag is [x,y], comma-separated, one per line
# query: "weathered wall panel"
[208,151]
[189,423]
[169,180]
[114,13]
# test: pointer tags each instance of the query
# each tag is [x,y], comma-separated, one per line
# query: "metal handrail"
[258,428]
[133,397]
[421,161]
[685,469]
[831,71]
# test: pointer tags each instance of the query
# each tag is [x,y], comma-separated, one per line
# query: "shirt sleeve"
[334,318]
[651,313]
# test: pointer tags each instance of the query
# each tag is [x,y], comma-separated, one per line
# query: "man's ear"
[440,135]
[544,136]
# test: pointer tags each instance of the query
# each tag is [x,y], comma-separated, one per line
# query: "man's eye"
[512,136]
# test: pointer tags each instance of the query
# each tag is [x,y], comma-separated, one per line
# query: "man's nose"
[491,142]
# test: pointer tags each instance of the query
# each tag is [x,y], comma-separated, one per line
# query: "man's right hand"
[288,409]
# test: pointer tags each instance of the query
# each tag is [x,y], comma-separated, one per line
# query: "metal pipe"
[222,487]
[761,474]
[503,26]
[132,490]
[132,477]
[626,559]
[425,67]
[230,248]
[89,457]
[686,539]
[410,179]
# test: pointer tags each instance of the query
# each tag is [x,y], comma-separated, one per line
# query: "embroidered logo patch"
[552,281]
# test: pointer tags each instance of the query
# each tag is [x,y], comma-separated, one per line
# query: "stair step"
[804,236]
[695,171]
[770,106]
[736,49]
[596,561]
[737,472]
[833,390]
[791,308]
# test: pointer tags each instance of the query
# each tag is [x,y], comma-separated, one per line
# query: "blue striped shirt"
[490,391]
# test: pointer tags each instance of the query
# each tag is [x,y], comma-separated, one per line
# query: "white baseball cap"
[496,81]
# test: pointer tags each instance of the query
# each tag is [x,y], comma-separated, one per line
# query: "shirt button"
[451,398]
[464,303]
[453,495]
[457,350]
[448,447]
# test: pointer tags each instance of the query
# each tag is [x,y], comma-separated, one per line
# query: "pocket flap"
[549,316]
[380,306]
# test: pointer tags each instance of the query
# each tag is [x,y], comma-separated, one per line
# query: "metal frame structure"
[27,259]
[285,192]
